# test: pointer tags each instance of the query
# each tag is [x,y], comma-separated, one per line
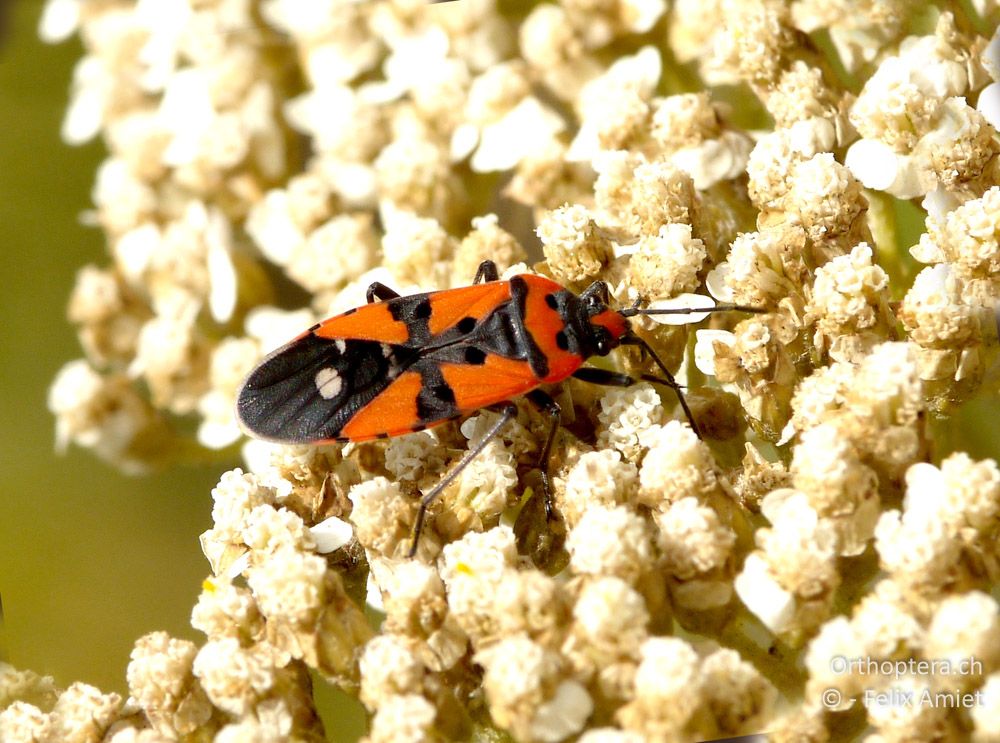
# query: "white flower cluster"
[950,311]
[919,136]
[282,153]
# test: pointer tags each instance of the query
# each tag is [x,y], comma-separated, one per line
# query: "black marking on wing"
[422,310]
[415,311]
[474,355]
[280,400]
[436,400]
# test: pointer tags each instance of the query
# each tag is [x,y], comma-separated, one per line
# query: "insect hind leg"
[544,402]
[509,410]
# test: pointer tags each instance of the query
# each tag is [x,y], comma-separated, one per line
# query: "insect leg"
[487,272]
[616,379]
[508,412]
[378,290]
[603,376]
[544,402]
[669,381]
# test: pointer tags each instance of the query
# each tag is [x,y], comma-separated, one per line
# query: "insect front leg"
[544,402]
[487,271]
[509,410]
[379,291]
[616,379]
[603,376]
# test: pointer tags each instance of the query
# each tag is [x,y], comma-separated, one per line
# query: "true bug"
[402,364]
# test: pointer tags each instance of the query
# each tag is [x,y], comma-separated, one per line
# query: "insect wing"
[306,391]
[464,363]
[373,322]
[495,380]
[466,307]
[377,371]
[436,389]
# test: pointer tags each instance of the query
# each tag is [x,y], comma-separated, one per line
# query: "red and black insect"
[403,364]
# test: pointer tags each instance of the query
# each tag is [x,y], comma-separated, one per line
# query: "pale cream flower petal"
[704,349]
[522,132]
[60,20]
[762,595]
[564,714]
[873,163]
[331,534]
[989,104]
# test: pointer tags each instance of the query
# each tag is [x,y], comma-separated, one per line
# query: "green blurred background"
[89,559]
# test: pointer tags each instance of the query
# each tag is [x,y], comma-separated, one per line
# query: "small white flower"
[273,228]
[221,271]
[93,89]
[273,327]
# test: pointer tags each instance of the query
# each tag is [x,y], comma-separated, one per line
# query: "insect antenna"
[636,310]
[631,339]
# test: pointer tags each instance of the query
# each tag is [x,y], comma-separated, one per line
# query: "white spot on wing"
[341,345]
[391,358]
[328,383]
